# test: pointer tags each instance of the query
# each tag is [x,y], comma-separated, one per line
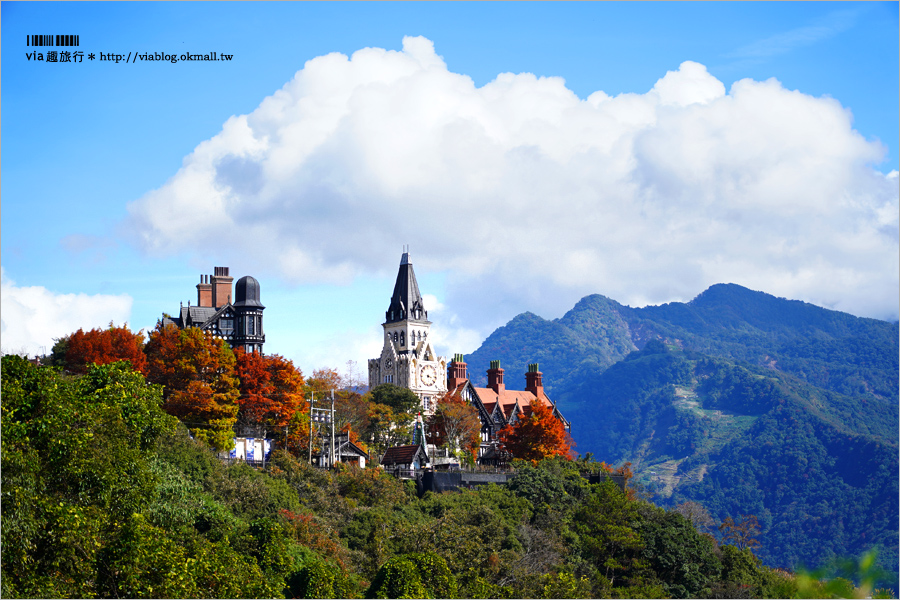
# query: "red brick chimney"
[457,373]
[221,287]
[204,292]
[495,377]
[534,381]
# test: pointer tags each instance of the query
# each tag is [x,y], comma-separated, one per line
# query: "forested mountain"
[747,403]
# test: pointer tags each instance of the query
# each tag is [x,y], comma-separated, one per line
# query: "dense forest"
[104,494]
[743,402]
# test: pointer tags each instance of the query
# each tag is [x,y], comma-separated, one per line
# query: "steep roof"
[401,455]
[406,301]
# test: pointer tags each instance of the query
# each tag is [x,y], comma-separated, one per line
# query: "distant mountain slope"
[829,349]
[819,469]
[590,337]
[747,403]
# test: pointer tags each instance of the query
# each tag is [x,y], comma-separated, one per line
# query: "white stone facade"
[407,357]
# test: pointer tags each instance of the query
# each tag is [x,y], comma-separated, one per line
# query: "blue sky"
[654,149]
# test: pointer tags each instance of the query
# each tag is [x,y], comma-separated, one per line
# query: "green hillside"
[747,403]
[106,496]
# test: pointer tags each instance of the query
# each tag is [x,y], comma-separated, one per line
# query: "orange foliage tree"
[322,383]
[199,384]
[536,435]
[271,392]
[104,346]
[351,410]
[456,424]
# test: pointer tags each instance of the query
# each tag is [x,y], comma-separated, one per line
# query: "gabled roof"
[403,455]
[349,447]
[225,308]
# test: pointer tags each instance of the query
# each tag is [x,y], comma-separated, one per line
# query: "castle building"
[239,321]
[498,406]
[408,358]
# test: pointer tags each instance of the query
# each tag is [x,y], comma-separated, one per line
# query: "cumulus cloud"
[528,196]
[32,317]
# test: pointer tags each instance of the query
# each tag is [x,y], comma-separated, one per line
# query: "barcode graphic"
[51,40]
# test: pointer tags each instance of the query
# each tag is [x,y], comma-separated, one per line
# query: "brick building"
[498,406]
[236,319]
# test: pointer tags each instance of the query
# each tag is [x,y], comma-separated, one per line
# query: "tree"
[73,469]
[741,533]
[681,557]
[271,391]
[82,349]
[400,399]
[697,514]
[391,411]
[199,385]
[605,523]
[322,383]
[387,428]
[351,413]
[455,423]
[536,435]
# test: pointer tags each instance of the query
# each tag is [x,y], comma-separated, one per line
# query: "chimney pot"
[495,377]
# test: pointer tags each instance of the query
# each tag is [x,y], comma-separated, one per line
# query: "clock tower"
[407,357]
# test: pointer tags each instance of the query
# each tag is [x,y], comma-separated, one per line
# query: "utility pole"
[312,403]
[332,429]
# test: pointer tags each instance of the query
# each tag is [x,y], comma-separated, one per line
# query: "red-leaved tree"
[199,385]
[536,435]
[104,346]
[271,391]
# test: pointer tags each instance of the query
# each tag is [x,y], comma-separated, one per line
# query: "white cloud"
[450,333]
[807,35]
[528,197]
[32,317]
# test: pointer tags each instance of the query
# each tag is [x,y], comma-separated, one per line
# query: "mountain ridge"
[745,402]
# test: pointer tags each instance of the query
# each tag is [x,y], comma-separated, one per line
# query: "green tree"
[682,558]
[401,400]
[608,539]
[73,469]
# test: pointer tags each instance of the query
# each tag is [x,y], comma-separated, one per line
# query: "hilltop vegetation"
[747,403]
[105,495]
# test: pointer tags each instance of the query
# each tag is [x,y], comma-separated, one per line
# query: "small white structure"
[251,449]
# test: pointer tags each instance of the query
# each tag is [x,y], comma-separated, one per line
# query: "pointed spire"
[406,301]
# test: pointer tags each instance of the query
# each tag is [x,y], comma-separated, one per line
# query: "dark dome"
[246,292]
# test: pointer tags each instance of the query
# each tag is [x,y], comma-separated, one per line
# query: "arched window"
[395,337]
[402,338]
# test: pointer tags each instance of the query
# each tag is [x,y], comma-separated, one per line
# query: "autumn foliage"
[200,387]
[104,346]
[455,423]
[536,435]
[271,391]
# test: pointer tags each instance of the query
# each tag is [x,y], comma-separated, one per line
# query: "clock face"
[429,375]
